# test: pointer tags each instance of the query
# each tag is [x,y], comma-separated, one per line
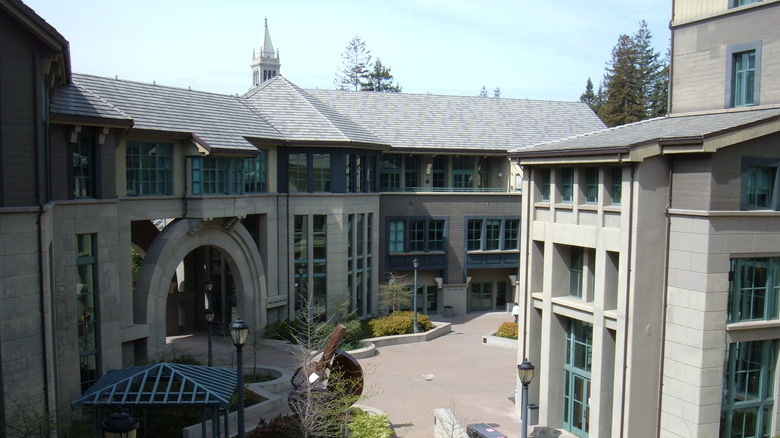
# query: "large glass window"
[576,393]
[616,189]
[481,296]
[463,172]
[218,175]
[754,289]
[83,165]
[744,78]
[87,309]
[511,234]
[439,174]
[321,172]
[576,271]
[390,173]
[397,233]
[319,264]
[492,234]
[256,173]
[298,178]
[412,172]
[591,185]
[746,409]
[148,168]
[759,191]
[567,184]
[544,184]
[416,235]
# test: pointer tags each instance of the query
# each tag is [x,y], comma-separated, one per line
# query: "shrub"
[399,323]
[507,330]
[365,425]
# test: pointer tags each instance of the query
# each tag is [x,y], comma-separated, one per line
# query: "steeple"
[265,65]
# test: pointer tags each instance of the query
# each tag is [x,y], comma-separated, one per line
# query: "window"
[481,296]
[390,173]
[744,78]
[83,165]
[221,175]
[492,234]
[576,270]
[754,289]
[321,169]
[576,393]
[474,235]
[760,188]
[397,236]
[416,235]
[463,173]
[439,176]
[567,184]
[483,167]
[746,408]
[512,234]
[412,173]
[256,173]
[737,3]
[298,179]
[148,168]
[544,184]
[87,309]
[310,237]
[616,190]
[743,69]
[591,185]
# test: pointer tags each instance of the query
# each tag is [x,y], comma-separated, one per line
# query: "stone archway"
[177,240]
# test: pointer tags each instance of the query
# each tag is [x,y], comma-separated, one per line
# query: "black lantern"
[120,425]
[239,331]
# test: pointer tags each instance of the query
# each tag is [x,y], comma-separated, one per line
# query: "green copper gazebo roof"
[162,384]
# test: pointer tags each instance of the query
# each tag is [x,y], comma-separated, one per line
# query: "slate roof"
[76,102]
[301,117]
[425,121]
[218,120]
[689,128]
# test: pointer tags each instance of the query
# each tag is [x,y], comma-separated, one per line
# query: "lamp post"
[239,331]
[209,317]
[120,425]
[415,264]
[526,373]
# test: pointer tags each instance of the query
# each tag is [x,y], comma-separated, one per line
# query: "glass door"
[576,392]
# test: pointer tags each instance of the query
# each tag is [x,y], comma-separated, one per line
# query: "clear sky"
[537,50]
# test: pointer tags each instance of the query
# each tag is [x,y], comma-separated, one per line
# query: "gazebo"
[163,385]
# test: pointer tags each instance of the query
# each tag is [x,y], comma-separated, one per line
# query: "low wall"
[439,329]
[498,341]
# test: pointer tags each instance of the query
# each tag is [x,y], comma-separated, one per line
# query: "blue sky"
[534,50]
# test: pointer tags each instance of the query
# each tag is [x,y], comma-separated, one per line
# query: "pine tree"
[659,98]
[649,68]
[483,92]
[623,98]
[380,80]
[589,97]
[497,92]
[356,62]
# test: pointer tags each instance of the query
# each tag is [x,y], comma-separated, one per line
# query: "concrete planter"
[439,329]
[498,341]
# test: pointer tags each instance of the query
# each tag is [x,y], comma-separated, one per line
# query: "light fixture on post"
[209,318]
[526,373]
[239,331]
[120,425]
[415,264]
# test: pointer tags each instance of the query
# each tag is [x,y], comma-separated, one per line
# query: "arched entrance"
[171,247]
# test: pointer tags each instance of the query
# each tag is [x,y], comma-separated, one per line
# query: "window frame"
[731,64]
[749,163]
[545,183]
[158,168]
[744,298]
[87,263]
[591,187]
[415,234]
[483,235]
[737,380]
[567,185]
[616,185]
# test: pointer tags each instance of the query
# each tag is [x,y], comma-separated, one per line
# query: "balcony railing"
[453,190]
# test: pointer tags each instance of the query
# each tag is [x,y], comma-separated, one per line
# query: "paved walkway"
[456,371]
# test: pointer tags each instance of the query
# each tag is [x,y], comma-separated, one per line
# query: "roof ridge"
[452,96]
[152,84]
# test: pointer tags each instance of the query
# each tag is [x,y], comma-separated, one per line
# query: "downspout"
[628,298]
[40,150]
[526,300]
[665,296]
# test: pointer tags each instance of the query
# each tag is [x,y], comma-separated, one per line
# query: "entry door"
[481,296]
[576,388]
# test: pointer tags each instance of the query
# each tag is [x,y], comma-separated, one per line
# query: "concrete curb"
[498,341]
[439,329]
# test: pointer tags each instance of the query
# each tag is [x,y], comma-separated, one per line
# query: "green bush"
[399,323]
[365,425]
[507,330]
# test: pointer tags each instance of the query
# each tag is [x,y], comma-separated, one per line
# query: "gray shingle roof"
[439,122]
[301,117]
[222,121]
[689,127]
[76,101]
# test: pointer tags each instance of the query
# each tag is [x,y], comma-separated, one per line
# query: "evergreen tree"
[659,98]
[380,80]
[356,62]
[623,98]
[589,97]
[650,69]
[497,92]
[483,92]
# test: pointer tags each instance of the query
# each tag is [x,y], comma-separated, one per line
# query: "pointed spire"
[268,47]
